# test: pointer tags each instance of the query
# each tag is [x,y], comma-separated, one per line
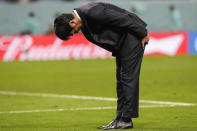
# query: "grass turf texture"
[162,78]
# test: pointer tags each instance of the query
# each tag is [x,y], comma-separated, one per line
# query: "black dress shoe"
[111,125]
[124,125]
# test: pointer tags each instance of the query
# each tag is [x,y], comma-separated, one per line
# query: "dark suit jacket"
[105,25]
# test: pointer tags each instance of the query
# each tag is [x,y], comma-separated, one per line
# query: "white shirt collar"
[76,14]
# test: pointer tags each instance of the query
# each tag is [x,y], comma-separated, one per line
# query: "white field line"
[77,109]
[55,110]
[167,103]
[91,98]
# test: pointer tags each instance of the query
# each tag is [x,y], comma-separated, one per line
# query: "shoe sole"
[100,127]
[126,127]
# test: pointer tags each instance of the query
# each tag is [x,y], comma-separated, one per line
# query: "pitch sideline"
[76,109]
[92,98]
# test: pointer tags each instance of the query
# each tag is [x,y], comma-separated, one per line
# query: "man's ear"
[72,23]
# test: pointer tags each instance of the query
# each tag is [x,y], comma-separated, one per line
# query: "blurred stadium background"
[48,84]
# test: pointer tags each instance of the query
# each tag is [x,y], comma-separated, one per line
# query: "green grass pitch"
[171,79]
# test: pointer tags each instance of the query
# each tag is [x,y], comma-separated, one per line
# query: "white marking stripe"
[167,103]
[57,96]
[91,98]
[78,109]
[52,110]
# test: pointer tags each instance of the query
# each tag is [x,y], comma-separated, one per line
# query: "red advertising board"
[49,47]
[167,43]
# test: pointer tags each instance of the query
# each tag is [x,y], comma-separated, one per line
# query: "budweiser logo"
[35,48]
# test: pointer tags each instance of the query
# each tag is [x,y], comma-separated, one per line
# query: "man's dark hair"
[61,26]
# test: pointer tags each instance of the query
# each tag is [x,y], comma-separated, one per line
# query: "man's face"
[75,30]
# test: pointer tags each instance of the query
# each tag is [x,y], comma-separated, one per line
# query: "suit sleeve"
[118,18]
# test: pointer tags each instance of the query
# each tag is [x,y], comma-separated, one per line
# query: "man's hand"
[145,41]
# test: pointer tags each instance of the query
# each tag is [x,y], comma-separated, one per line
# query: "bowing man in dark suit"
[120,32]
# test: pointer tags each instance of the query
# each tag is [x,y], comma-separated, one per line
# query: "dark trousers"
[128,64]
